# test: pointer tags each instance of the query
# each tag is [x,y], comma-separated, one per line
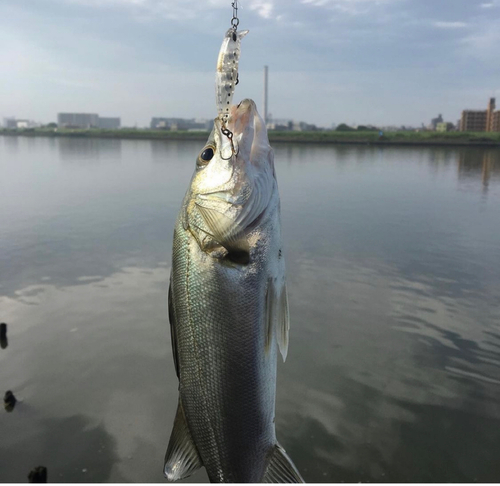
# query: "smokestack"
[266,69]
[489,115]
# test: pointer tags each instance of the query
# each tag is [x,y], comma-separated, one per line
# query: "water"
[393,259]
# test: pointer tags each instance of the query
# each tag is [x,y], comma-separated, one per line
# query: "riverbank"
[327,137]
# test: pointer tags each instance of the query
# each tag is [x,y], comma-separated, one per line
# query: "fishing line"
[235,21]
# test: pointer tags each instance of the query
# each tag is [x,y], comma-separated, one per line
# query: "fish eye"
[206,155]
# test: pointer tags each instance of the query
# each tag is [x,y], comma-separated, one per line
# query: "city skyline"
[471,120]
[379,62]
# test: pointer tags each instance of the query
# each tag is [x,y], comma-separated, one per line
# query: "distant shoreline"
[449,139]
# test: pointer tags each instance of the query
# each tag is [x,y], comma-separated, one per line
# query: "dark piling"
[9,401]
[38,475]
[3,336]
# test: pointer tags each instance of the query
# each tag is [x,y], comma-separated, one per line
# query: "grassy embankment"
[330,136]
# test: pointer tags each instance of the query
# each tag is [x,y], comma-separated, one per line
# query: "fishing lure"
[226,77]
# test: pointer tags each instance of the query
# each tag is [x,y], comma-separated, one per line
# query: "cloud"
[353,7]
[178,9]
[136,58]
[109,3]
[23,57]
[449,25]
[483,44]
[264,9]
[494,3]
[169,9]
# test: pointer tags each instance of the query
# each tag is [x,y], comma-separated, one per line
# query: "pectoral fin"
[278,320]
[182,458]
[281,468]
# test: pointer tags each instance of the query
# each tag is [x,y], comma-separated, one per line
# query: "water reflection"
[75,449]
[181,153]
[81,366]
[479,163]
[90,150]
[11,143]
[442,157]
[373,436]
[393,274]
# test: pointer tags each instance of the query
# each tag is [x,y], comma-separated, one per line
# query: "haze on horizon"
[381,62]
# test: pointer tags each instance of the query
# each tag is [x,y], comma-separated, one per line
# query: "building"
[78,120]
[445,127]
[436,121]
[10,122]
[289,125]
[176,124]
[481,120]
[23,124]
[495,122]
[109,123]
[473,121]
[14,123]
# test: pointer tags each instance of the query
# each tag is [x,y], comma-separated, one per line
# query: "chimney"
[489,115]
[266,69]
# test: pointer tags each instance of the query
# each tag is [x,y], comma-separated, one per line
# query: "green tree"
[344,128]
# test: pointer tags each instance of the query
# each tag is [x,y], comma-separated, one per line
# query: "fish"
[228,311]
[226,75]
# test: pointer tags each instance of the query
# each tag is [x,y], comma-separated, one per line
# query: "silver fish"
[226,76]
[228,311]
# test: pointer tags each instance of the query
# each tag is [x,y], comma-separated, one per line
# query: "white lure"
[226,76]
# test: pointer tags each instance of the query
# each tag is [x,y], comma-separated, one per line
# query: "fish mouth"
[241,116]
[238,134]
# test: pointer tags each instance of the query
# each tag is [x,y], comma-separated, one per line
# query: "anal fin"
[182,458]
[281,468]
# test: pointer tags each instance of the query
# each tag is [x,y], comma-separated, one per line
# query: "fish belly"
[227,376]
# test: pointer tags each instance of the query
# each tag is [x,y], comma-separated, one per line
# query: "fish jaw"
[250,132]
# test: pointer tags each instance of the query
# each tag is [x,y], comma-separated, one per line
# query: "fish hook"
[229,134]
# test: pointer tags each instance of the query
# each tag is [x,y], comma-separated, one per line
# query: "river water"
[393,264]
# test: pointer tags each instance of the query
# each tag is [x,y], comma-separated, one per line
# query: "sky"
[380,62]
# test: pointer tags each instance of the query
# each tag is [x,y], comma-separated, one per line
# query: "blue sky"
[382,62]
